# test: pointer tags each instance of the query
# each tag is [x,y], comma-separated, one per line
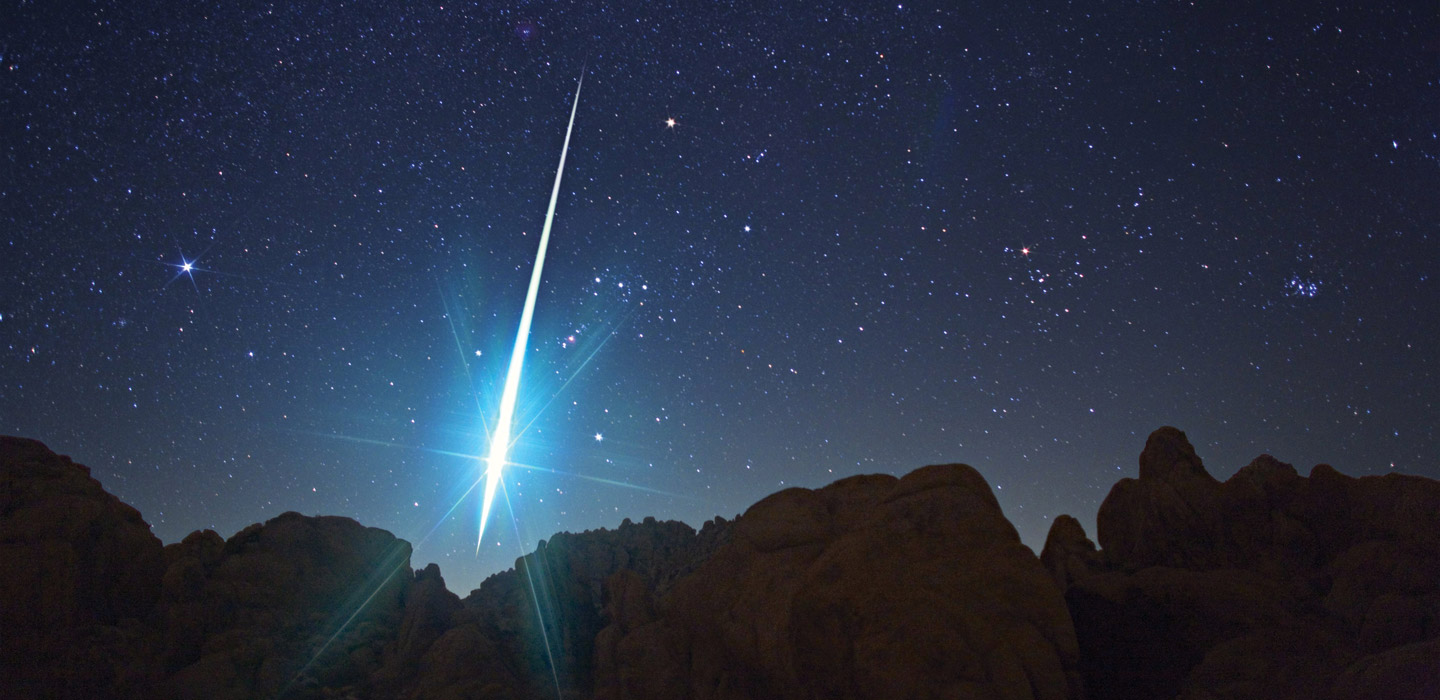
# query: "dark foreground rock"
[1267,585]
[79,579]
[872,587]
[268,613]
[494,646]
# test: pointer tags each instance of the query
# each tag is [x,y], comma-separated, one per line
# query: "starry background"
[873,238]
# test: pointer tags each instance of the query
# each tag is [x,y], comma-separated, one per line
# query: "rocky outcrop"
[93,606]
[1068,554]
[430,609]
[497,640]
[872,587]
[1268,585]
[79,578]
[283,608]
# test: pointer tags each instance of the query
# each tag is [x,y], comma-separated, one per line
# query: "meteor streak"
[500,439]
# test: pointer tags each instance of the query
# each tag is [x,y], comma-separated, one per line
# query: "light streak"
[530,562]
[598,480]
[397,558]
[500,439]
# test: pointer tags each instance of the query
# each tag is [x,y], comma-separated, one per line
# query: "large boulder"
[1168,516]
[1068,554]
[872,587]
[292,607]
[80,573]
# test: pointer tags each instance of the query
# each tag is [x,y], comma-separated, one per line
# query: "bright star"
[186,268]
[670,123]
[599,437]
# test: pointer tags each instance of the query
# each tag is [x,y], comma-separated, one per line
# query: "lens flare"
[500,439]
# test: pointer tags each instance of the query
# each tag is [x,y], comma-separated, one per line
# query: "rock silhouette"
[872,587]
[267,612]
[80,576]
[1267,585]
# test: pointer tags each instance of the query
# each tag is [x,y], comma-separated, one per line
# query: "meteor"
[500,439]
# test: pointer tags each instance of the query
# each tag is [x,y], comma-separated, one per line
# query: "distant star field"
[258,257]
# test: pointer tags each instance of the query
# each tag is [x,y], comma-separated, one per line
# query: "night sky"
[260,258]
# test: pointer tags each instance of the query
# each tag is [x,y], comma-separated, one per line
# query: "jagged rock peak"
[1268,585]
[1069,555]
[1168,456]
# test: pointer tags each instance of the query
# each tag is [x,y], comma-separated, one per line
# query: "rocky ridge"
[1267,585]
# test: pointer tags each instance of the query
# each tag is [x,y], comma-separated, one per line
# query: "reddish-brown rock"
[79,577]
[290,606]
[496,646]
[1167,517]
[1269,585]
[1068,554]
[871,587]
[1410,672]
[429,607]
[429,611]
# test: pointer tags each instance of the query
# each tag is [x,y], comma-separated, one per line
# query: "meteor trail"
[500,439]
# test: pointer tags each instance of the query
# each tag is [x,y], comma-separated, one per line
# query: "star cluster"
[260,258]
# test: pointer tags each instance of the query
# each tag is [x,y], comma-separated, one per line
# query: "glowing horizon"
[500,440]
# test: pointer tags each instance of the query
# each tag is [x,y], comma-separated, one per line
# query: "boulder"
[290,607]
[1167,517]
[80,578]
[1069,555]
[872,587]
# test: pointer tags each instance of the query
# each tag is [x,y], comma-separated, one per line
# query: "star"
[670,123]
[599,437]
[186,268]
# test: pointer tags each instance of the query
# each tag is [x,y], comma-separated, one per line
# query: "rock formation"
[872,587]
[79,579]
[1268,585]
[494,640]
[298,603]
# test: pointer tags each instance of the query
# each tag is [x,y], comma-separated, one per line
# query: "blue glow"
[500,439]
